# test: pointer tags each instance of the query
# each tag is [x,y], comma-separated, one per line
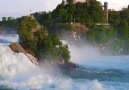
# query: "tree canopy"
[44,46]
[85,13]
[62,19]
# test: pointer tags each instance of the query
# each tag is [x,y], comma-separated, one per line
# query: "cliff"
[15,47]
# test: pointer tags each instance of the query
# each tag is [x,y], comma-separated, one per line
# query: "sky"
[17,8]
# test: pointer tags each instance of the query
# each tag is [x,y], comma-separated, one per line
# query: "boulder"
[16,47]
[69,66]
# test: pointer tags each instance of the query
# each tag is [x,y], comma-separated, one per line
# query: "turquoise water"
[104,72]
[89,76]
[108,79]
[96,72]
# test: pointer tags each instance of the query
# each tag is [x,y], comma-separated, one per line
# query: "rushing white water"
[96,72]
[17,72]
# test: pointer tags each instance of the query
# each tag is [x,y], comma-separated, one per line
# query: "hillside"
[83,13]
[79,21]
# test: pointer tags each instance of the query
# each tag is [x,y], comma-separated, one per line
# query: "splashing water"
[17,72]
[96,72]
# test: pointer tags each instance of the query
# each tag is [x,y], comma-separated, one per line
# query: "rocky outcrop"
[68,66]
[32,59]
[38,26]
[16,47]
[79,28]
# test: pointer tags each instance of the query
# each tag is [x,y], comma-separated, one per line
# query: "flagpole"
[30,11]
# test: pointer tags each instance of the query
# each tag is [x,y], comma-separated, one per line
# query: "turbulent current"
[96,72]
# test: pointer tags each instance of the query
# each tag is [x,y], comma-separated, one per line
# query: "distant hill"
[87,13]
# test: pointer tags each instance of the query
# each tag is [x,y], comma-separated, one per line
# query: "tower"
[106,11]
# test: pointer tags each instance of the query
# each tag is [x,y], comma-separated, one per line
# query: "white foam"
[18,72]
[12,63]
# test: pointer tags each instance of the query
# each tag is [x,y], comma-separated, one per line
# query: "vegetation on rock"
[65,14]
[65,17]
[43,45]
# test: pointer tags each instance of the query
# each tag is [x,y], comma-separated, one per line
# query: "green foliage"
[123,30]
[101,36]
[86,13]
[117,47]
[96,12]
[120,21]
[64,53]
[111,34]
[114,17]
[51,47]
[48,47]
[4,19]
[91,36]
[10,22]
[25,28]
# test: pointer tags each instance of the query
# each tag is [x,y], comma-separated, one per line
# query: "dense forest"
[114,38]
[10,22]
[67,13]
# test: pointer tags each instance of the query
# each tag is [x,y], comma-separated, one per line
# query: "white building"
[82,1]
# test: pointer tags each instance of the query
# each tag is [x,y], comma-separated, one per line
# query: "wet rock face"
[69,66]
[16,47]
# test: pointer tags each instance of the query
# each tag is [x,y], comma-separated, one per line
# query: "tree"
[114,17]
[91,36]
[4,20]
[45,46]
[96,12]
[26,26]
[123,31]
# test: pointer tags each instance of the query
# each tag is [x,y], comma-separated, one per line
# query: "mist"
[83,52]
[8,35]
[89,56]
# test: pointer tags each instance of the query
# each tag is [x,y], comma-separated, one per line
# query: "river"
[96,72]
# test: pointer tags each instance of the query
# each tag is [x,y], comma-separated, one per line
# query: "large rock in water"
[68,66]
[16,47]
